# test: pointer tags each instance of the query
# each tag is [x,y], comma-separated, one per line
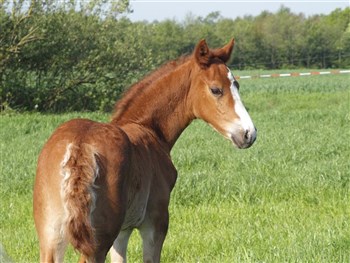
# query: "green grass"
[286,199]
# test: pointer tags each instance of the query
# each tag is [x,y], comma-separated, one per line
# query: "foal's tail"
[79,170]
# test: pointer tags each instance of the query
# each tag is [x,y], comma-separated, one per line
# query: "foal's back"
[65,204]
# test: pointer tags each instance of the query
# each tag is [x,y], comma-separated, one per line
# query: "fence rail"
[293,74]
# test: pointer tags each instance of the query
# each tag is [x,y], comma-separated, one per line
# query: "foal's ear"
[202,54]
[224,53]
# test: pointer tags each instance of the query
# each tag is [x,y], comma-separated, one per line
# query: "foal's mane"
[144,83]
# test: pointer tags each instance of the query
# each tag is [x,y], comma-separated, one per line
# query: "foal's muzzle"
[244,139]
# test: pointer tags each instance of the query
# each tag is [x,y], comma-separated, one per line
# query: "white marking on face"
[245,121]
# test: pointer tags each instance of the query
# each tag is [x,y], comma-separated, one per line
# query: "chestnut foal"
[96,182]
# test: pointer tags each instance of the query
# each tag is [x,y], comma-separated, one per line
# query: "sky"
[151,10]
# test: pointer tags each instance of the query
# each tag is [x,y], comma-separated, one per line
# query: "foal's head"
[215,97]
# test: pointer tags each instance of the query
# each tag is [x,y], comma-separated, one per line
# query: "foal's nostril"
[246,135]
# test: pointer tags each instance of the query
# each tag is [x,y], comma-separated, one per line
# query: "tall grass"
[286,199]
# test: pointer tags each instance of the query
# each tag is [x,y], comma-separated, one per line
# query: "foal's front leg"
[153,231]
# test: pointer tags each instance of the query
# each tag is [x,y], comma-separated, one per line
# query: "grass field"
[286,199]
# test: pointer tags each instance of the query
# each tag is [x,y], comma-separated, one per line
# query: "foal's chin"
[240,145]
[240,137]
[240,141]
[237,139]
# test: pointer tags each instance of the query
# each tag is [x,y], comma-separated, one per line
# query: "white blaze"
[245,120]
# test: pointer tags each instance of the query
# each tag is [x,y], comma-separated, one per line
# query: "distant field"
[286,199]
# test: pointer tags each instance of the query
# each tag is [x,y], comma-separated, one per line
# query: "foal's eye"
[216,91]
[235,82]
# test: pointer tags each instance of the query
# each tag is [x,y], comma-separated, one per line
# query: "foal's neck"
[162,107]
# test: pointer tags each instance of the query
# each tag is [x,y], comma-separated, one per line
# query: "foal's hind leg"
[50,229]
[105,245]
[99,257]
[52,252]
[52,243]
[153,232]
[118,251]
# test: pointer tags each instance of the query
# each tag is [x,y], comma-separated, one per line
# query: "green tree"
[50,51]
[82,55]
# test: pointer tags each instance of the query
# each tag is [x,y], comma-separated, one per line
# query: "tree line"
[81,55]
